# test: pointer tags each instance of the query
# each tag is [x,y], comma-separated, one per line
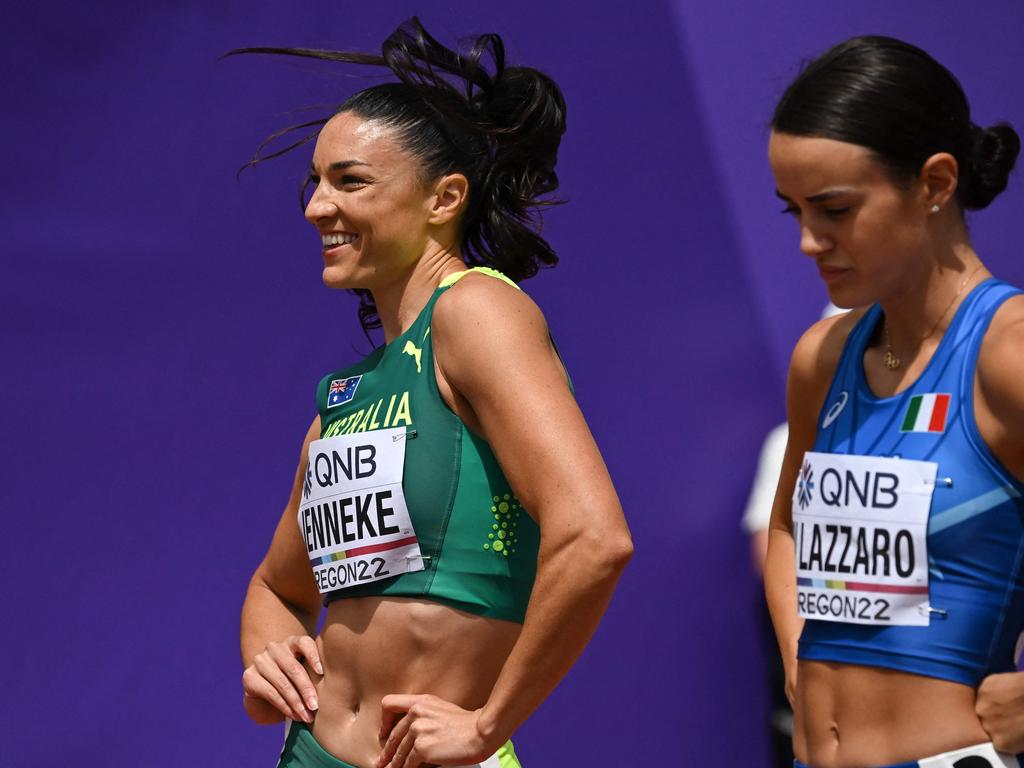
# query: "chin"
[338,279]
[849,297]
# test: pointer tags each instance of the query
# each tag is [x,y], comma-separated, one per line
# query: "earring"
[935,208]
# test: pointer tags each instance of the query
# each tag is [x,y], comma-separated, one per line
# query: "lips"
[828,274]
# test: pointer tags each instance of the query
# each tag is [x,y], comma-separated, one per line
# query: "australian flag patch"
[342,390]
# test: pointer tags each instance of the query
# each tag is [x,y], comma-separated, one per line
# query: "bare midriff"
[374,646]
[848,716]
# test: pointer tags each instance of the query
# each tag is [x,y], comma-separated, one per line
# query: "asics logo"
[835,410]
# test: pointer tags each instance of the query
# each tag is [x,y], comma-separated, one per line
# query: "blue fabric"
[976,523]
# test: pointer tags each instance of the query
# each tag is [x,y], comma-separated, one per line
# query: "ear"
[450,195]
[938,177]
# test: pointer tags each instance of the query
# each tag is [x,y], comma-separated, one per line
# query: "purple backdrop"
[164,326]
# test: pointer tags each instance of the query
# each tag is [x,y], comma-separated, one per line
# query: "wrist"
[793,647]
[261,711]
[491,729]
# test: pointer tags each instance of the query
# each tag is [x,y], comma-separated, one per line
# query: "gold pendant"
[891,361]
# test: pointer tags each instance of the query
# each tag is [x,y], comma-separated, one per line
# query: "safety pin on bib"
[409,434]
[945,482]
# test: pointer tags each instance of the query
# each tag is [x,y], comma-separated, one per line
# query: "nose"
[814,242]
[319,207]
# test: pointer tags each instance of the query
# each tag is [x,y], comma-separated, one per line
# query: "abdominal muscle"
[848,716]
[374,646]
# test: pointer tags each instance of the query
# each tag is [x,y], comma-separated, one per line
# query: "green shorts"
[301,750]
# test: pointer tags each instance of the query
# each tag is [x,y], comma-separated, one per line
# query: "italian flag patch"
[926,413]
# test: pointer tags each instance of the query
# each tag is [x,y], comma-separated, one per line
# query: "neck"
[399,303]
[925,303]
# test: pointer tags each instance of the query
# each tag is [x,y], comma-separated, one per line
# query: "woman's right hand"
[277,685]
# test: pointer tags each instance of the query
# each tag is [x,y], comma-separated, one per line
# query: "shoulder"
[1006,326]
[482,326]
[817,353]
[483,307]
[1000,359]
[811,369]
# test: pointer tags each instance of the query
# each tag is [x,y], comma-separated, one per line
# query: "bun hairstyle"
[462,113]
[896,100]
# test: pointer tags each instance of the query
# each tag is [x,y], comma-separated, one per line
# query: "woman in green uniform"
[450,507]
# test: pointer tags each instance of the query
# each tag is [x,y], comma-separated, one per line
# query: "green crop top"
[479,546]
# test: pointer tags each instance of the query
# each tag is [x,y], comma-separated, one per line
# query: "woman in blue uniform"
[450,506]
[895,571]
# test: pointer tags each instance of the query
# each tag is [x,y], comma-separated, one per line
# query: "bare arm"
[278,618]
[999,411]
[811,369]
[492,348]
[999,397]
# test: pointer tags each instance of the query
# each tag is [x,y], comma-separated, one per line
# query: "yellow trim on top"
[453,279]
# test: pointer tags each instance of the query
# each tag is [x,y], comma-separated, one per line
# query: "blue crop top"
[976,522]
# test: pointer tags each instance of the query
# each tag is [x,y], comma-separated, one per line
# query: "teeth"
[339,239]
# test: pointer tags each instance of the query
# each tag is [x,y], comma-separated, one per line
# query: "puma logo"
[412,350]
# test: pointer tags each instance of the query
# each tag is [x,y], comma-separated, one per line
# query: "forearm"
[780,592]
[575,582]
[267,617]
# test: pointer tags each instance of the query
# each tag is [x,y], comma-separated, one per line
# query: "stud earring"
[935,208]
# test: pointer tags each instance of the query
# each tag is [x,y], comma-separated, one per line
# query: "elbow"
[619,551]
[605,553]
[610,557]
[616,542]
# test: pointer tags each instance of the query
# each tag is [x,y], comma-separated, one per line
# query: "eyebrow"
[821,196]
[341,165]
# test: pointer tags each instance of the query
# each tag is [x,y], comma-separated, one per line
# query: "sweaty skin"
[372,647]
[367,648]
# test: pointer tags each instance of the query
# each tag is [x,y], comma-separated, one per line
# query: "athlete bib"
[860,527]
[353,518]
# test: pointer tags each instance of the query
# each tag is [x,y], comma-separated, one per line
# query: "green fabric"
[507,757]
[302,750]
[479,544]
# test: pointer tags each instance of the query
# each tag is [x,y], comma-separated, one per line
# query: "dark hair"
[896,100]
[500,128]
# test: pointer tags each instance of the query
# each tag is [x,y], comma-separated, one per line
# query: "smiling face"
[866,233]
[369,204]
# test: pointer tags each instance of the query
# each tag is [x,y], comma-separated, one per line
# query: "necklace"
[891,361]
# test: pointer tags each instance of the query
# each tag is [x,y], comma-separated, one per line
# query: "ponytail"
[462,113]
